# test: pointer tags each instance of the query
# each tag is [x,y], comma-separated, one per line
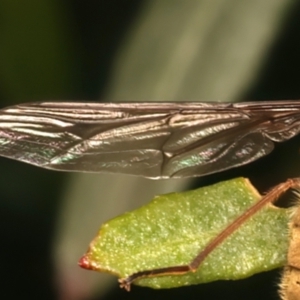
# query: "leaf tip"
[85,263]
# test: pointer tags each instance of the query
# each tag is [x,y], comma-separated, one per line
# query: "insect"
[154,140]
[290,282]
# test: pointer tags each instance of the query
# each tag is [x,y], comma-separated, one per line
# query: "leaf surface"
[172,229]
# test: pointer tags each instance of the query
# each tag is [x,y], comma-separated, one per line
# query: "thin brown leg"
[270,197]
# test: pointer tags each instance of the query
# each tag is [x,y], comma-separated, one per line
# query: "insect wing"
[155,140]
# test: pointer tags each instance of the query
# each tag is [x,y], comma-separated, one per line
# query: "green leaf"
[172,229]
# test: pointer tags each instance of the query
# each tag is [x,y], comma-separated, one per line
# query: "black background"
[27,212]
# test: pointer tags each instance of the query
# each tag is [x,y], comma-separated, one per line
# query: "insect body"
[290,283]
[154,140]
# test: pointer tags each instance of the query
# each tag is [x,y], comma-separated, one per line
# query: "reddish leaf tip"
[84,263]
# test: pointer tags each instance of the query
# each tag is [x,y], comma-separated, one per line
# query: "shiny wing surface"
[155,140]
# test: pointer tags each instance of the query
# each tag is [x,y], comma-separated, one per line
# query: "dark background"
[73,64]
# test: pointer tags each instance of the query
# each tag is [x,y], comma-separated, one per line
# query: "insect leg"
[270,197]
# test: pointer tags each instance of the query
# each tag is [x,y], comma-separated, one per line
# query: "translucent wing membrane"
[155,140]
